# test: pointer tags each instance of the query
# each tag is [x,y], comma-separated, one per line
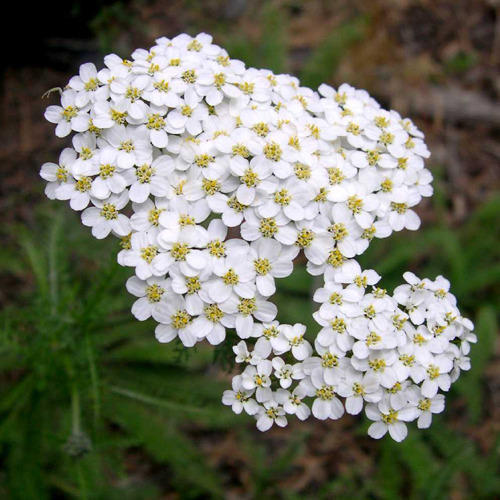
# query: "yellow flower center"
[377,365]
[354,204]
[83,184]
[155,121]
[230,278]
[250,178]
[273,151]
[407,359]
[282,197]
[91,85]
[338,325]
[336,298]
[325,393]
[262,266]
[154,216]
[213,313]
[179,251]
[353,128]
[386,138]
[424,404]
[161,86]
[390,418]
[372,339]
[62,174]
[149,253]
[189,76]
[133,93]
[247,306]
[335,258]
[329,360]
[154,292]
[109,212]
[217,248]
[236,205]
[69,112]
[433,371]
[338,231]
[106,171]
[119,117]
[210,186]
[241,150]
[304,238]
[127,146]
[302,171]
[180,319]
[400,208]
[268,227]
[193,285]
[261,129]
[144,173]
[335,175]
[195,46]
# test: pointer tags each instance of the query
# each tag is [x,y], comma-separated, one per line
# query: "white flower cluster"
[391,353]
[215,176]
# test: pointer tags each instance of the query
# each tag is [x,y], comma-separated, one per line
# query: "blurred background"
[91,406]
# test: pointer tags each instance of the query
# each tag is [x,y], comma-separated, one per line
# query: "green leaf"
[162,439]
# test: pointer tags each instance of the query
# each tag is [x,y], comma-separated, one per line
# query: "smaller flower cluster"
[390,355]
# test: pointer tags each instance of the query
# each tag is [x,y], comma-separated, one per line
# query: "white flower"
[271,413]
[426,407]
[300,347]
[435,375]
[261,351]
[278,227]
[142,254]
[146,215]
[105,216]
[86,84]
[57,174]
[270,260]
[235,276]
[258,377]
[239,398]
[187,116]
[130,90]
[131,145]
[65,116]
[290,198]
[150,179]
[283,372]
[180,247]
[387,419]
[165,89]
[326,404]
[270,335]
[357,387]
[248,309]
[356,279]
[151,293]
[174,321]
[292,402]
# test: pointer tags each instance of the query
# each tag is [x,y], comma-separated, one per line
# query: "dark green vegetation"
[91,406]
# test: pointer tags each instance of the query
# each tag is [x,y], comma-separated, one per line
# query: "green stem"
[75,410]
[81,480]
[93,379]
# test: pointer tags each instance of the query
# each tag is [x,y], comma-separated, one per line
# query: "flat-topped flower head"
[217,179]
